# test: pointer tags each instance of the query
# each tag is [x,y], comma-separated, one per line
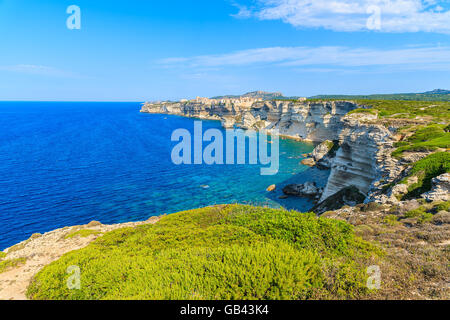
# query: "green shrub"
[443,206]
[421,213]
[2,254]
[391,219]
[426,217]
[226,252]
[415,213]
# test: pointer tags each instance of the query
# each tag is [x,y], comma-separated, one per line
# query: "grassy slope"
[403,97]
[437,110]
[425,170]
[224,252]
[425,138]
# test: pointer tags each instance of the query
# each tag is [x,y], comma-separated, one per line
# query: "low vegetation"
[444,96]
[425,170]
[436,110]
[83,233]
[391,219]
[361,110]
[425,138]
[221,252]
[426,212]
[6,265]
[443,206]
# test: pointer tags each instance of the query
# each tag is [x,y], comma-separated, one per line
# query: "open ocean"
[68,163]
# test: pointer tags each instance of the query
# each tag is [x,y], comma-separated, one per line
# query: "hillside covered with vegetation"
[435,95]
[221,252]
[245,252]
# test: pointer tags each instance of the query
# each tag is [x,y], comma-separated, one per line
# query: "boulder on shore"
[349,196]
[440,190]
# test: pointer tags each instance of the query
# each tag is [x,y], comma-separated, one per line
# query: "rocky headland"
[353,141]
[389,182]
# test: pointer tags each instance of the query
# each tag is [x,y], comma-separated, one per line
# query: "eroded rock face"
[323,154]
[322,150]
[440,190]
[313,121]
[363,159]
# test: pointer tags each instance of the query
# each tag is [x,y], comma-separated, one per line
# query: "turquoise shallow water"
[70,163]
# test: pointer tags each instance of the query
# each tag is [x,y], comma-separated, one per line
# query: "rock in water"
[308,162]
[271,188]
[440,190]
[308,189]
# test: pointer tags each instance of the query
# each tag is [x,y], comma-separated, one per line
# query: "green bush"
[421,213]
[226,252]
[391,219]
[426,217]
[443,206]
[415,213]
[2,254]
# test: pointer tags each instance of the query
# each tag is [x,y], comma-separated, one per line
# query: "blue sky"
[154,50]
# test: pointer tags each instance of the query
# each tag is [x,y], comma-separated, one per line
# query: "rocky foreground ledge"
[413,237]
[27,258]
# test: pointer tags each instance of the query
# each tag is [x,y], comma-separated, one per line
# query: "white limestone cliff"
[306,120]
[363,159]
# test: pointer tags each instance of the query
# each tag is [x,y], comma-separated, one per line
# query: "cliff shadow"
[302,204]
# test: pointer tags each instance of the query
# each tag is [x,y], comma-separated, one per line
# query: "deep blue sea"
[64,164]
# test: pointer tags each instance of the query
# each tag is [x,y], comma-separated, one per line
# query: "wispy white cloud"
[243,12]
[357,15]
[327,58]
[37,70]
